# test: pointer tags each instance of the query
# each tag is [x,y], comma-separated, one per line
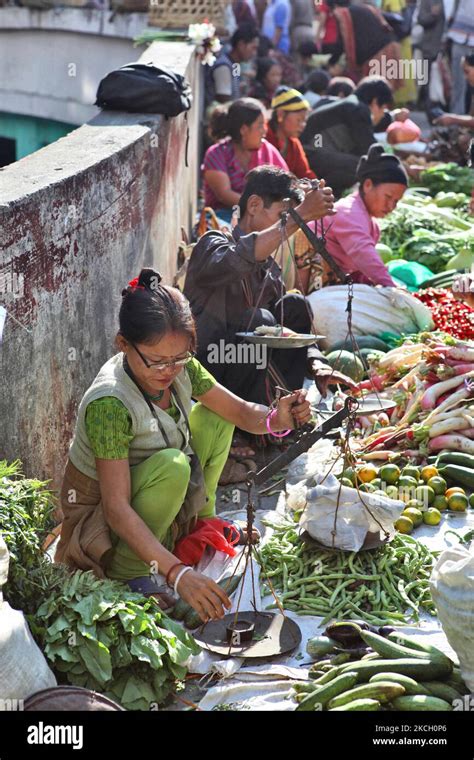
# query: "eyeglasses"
[164,365]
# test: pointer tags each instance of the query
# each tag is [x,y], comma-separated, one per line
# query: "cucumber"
[304,687]
[325,693]
[442,691]
[389,649]
[228,584]
[371,656]
[180,610]
[410,685]
[455,457]
[320,645]
[367,705]
[383,692]
[420,670]
[462,475]
[327,677]
[456,681]
[419,646]
[419,703]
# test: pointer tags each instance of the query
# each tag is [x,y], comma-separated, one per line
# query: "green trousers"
[159,484]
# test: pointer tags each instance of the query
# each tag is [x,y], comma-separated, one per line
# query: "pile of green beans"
[388,585]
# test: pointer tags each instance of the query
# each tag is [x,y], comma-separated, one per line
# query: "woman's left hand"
[292,411]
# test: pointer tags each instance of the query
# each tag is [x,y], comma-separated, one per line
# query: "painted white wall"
[52,61]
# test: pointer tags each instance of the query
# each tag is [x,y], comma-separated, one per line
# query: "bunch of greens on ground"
[448,177]
[26,518]
[99,635]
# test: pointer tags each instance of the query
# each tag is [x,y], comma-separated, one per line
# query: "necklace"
[156,398]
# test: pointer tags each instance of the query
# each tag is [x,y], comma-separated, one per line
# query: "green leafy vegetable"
[98,634]
[26,519]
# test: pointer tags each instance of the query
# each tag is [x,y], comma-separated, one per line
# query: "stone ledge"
[106,23]
[94,142]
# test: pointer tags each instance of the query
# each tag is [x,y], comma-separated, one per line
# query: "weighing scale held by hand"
[257,634]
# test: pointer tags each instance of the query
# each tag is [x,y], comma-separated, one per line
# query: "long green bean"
[390,584]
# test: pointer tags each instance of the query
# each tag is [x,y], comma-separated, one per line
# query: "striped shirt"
[221,158]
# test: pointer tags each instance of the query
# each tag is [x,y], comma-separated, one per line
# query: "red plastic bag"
[208,532]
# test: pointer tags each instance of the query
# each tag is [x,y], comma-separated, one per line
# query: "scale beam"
[308,436]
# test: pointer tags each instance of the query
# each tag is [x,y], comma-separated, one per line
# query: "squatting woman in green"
[144,462]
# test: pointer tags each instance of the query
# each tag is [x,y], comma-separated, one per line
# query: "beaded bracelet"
[268,421]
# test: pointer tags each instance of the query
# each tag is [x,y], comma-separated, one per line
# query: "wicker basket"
[178,14]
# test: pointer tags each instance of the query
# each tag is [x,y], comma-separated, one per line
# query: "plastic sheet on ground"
[268,685]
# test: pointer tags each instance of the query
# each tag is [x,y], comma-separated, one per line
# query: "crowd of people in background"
[309,86]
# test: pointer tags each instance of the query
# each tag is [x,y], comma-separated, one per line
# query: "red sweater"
[293,154]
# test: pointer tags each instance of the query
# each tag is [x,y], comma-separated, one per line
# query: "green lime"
[432,516]
[415,515]
[404,524]
[415,504]
[366,488]
[377,483]
[392,492]
[458,502]
[406,481]
[349,473]
[441,503]
[471,500]
[438,485]
[411,471]
[425,494]
[389,474]
[347,482]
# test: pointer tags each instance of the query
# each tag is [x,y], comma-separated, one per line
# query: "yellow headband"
[290,100]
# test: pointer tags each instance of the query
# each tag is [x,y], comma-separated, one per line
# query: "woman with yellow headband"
[290,111]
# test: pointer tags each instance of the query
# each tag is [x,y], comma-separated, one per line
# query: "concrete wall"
[78,219]
[53,60]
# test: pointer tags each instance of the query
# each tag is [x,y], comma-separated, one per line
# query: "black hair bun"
[375,153]
[149,279]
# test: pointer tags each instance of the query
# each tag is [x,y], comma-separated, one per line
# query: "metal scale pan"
[274,341]
[274,635]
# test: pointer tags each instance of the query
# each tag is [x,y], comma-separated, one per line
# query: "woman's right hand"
[317,203]
[204,595]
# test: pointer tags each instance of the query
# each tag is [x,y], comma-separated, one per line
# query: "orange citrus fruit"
[366,473]
[428,472]
[454,489]
[458,502]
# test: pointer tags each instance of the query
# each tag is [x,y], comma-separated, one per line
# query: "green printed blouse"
[109,424]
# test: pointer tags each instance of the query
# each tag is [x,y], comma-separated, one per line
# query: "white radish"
[447,426]
[435,391]
[449,403]
[466,353]
[453,443]
[380,455]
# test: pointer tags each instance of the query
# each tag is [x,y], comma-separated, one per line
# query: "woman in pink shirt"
[353,232]
[240,128]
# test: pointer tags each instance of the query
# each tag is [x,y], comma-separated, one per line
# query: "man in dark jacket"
[234,285]
[339,132]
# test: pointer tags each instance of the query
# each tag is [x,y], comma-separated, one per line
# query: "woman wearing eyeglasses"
[144,463]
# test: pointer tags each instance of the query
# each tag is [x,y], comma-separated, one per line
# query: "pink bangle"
[269,419]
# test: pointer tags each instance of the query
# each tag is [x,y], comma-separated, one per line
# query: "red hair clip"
[133,284]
